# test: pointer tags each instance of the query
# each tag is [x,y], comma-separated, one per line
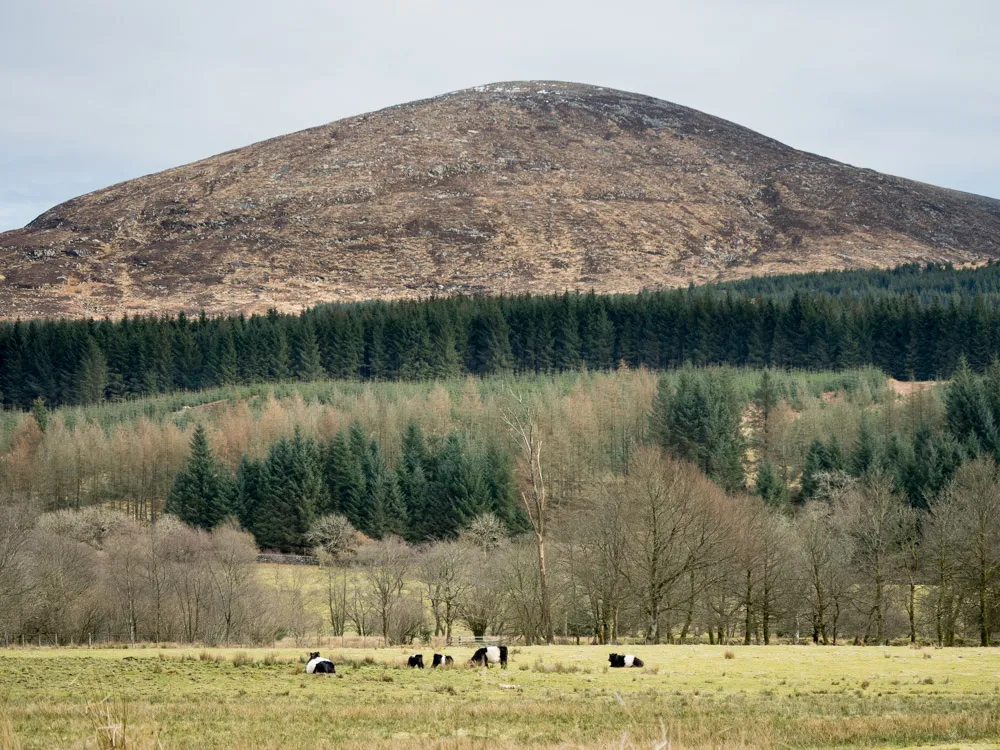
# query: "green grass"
[564,696]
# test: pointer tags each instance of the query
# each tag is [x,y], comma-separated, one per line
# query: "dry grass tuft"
[556,668]
[8,737]
[366,661]
[728,654]
[114,727]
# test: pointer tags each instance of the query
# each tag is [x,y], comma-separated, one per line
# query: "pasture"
[563,696]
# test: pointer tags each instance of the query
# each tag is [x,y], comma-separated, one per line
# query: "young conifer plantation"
[623,467]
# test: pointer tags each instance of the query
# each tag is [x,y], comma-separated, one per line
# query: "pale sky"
[93,92]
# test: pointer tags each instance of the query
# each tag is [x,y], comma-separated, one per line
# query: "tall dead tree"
[523,425]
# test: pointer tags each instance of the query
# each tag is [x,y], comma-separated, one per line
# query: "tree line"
[95,573]
[926,281]
[906,334]
[661,554]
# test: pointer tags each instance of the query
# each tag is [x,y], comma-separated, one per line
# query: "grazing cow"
[624,660]
[417,660]
[319,665]
[490,655]
[442,660]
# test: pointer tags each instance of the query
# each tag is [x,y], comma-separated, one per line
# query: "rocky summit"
[505,188]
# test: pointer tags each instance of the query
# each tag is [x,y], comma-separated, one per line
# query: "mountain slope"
[510,187]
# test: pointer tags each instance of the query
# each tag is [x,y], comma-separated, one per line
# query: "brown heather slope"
[511,187]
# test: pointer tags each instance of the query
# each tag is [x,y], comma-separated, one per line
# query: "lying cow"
[417,660]
[490,655]
[319,665]
[440,660]
[624,660]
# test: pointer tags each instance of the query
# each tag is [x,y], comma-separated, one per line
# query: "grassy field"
[564,696]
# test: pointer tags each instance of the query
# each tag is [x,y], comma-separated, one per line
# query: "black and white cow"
[319,665]
[417,660]
[440,660]
[490,655]
[624,660]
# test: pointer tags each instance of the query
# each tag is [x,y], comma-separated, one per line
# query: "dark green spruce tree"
[202,493]
[344,479]
[92,379]
[293,490]
[770,485]
[414,482]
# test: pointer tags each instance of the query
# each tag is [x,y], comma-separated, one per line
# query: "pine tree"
[187,356]
[991,389]
[969,414]
[344,346]
[293,492]
[457,494]
[597,339]
[770,486]
[248,491]
[388,514]
[202,492]
[277,354]
[40,412]
[307,357]
[444,359]
[489,350]
[227,370]
[498,476]
[93,374]
[864,455]
[680,416]
[700,422]
[413,481]
[766,397]
[344,479]
[818,460]
[567,335]
[935,460]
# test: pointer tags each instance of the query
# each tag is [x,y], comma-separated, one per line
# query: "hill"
[510,187]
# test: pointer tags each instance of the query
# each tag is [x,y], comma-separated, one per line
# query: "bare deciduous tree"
[942,554]
[522,422]
[231,569]
[976,501]
[385,565]
[873,519]
[823,559]
[444,570]
[673,527]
